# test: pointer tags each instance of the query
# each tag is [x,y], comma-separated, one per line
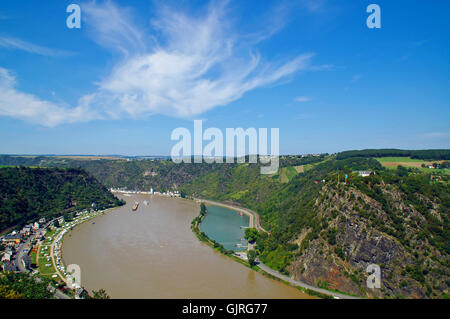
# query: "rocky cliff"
[359,232]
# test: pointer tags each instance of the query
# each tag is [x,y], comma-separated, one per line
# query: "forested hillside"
[138,174]
[28,193]
[417,154]
[326,231]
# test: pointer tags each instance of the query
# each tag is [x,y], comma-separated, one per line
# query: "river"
[225,226]
[152,253]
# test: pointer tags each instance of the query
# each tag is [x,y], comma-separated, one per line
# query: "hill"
[326,233]
[29,193]
[138,174]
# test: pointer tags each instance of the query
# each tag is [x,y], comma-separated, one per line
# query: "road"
[303,284]
[20,251]
[255,223]
[19,257]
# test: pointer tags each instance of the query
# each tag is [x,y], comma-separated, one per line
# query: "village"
[36,249]
[151,192]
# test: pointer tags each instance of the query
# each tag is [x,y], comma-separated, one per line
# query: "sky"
[137,70]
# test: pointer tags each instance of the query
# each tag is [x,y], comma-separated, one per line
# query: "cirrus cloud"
[194,64]
[302,99]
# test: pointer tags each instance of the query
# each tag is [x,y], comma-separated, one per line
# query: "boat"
[135,206]
[146,203]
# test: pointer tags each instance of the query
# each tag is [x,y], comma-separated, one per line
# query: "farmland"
[394,162]
[404,161]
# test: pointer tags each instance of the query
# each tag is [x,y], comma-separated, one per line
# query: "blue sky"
[136,70]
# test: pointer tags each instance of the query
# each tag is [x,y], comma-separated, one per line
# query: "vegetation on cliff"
[22,286]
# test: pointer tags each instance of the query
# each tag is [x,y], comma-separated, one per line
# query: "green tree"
[402,171]
[251,255]
[203,209]
[20,285]
[100,294]
[251,234]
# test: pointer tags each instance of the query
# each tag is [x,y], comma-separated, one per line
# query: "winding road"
[303,284]
[256,223]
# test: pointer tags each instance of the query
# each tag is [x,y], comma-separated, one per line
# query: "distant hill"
[138,174]
[29,193]
[441,154]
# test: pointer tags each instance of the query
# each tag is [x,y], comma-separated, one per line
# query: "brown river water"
[152,253]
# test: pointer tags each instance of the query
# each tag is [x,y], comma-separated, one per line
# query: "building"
[363,173]
[9,266]
[11,240]
[6,257]
[26,231]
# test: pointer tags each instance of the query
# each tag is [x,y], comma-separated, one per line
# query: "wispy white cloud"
[30,108]
[18,44]
[113,27]
[186,66]
[302,99]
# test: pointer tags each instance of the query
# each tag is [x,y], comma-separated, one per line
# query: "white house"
[6,256]
[364,173]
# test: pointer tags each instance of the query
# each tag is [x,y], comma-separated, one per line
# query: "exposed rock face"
[358,235]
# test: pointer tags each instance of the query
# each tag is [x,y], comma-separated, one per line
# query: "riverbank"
[195,226]
[55,242]
[267,271]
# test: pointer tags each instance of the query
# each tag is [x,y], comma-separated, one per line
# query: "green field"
[394,162]
[398,159]
[287,173]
